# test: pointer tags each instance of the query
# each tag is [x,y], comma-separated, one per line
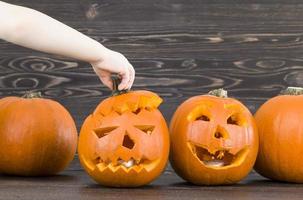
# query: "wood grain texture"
[180,48]
[175,79]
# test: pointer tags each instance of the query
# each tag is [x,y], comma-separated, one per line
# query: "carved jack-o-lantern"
[125,142]
[213,140]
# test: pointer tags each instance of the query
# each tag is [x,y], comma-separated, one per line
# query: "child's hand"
[33,29]
[114,62]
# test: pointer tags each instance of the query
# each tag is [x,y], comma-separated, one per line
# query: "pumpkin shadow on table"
[148,191]
[271,183]
[145,187]
[247,183]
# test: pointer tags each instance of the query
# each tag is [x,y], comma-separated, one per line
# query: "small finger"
[105,78]
[132,77]
[107,81]
[124,81]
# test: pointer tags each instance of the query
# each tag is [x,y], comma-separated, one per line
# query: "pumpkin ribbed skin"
[201,125]
[37,136]
[280,127]
[122,129]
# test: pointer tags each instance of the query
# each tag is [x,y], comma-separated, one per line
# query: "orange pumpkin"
[214,140]
[280,127]
[125,142]
[37,136]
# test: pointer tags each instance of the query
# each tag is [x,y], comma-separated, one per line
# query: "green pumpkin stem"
[116,81]
[31,94]
[218,93]
[292,91]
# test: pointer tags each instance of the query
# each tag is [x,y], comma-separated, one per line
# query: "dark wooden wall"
[179,48]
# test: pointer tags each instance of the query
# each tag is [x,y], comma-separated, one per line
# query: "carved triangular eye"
[232,120]
[148,129]
[203,118]
[235,119]
[137,111]
[101,132]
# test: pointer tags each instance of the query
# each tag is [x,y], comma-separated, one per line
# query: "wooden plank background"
[179,48]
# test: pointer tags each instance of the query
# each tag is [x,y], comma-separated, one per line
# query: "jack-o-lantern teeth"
[127,165]
[117,160]
[217,158]
[114,168]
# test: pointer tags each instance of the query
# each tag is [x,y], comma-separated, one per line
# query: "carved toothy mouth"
[127,165]
[218,159]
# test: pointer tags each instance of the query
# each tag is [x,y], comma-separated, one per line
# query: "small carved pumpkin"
[279,121]
[37,136]
[213,140]
[125,142]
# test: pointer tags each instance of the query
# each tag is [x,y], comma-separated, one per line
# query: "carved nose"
[128,142]
[221,133]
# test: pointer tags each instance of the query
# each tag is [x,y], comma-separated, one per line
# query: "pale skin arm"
[35,30]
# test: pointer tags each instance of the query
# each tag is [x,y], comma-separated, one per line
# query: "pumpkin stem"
[31,94]
[218,93]
[116,81]
[292,91]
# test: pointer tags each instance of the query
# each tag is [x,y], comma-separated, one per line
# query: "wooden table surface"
[180,48]
[75,184]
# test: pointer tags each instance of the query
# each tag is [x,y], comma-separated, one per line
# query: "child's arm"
[33,29]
